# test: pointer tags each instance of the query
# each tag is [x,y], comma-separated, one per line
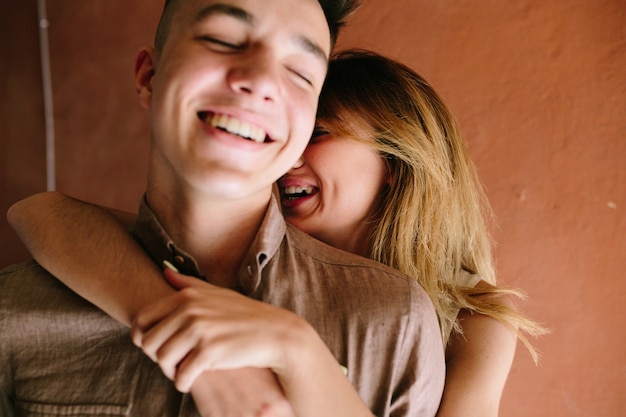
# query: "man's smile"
[235,126]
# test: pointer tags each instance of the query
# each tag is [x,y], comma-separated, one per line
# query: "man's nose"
[256,74]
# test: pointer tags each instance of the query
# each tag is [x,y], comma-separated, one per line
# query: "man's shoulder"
[22,274]
[20,266]
[347,268]
[27,287]
[340,281]
[321,252]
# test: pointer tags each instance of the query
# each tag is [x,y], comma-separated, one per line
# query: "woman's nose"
[299,163]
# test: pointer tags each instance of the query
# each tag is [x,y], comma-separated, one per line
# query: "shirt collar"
[159,245]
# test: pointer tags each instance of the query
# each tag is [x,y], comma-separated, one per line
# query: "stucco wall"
[538,87]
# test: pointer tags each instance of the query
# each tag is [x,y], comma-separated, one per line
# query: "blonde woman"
[428,219]
[386,176]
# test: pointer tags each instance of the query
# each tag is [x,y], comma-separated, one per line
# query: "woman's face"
[335,190]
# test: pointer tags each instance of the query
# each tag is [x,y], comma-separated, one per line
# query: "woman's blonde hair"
[432,220]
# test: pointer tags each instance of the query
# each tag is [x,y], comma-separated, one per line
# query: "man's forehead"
[302,13]
[306,25]
[232,10]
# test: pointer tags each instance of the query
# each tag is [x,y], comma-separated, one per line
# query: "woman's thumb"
[175,278]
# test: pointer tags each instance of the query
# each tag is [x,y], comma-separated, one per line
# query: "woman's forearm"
[90,251]
[314,383]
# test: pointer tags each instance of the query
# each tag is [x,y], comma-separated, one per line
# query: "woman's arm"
[206,328]
[89,250]
[478,363]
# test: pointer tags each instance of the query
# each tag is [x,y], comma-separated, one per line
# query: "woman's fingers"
[204,327]
[192,366]
[149,316]
[169,331]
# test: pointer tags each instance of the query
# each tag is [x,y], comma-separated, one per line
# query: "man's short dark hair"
[336,12]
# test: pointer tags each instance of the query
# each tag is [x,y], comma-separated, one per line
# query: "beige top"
[59,355]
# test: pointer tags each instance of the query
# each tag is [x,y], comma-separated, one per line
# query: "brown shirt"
[59,355]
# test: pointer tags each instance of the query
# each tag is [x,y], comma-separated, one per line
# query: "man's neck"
[216,233]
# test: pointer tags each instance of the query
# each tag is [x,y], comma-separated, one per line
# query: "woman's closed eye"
[317,134]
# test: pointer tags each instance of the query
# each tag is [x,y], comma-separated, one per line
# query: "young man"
[232,87]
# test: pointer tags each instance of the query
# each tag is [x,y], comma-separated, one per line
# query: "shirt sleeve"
[419,368]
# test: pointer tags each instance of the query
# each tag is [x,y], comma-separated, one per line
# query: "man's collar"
[160,246]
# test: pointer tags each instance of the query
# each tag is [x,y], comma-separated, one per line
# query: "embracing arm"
[90,251]
[206,328]
[478,363]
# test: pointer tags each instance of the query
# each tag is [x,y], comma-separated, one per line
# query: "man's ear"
[144,72]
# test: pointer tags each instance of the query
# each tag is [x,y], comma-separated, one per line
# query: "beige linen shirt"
[59,355]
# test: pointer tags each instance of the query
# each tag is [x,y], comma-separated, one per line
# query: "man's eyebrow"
[225,9]
[242,15]
[312,47]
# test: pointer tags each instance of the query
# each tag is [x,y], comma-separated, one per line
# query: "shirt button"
[179,259]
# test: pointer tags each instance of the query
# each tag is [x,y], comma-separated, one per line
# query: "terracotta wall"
[22,131]
[538,87]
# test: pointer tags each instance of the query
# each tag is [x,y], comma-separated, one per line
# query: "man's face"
[234,92]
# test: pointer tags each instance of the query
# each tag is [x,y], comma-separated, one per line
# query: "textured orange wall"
[538,87]
[22,134]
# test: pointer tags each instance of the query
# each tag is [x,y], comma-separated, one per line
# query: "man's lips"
[235,126]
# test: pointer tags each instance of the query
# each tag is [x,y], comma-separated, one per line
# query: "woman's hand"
[246,392]
[203,327]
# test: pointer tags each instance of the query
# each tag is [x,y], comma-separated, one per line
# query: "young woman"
[424,215]
[386,175]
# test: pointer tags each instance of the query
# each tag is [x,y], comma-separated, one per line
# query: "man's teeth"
[236,127]
[297,191]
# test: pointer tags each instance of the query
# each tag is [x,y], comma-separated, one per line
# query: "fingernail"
[169,266]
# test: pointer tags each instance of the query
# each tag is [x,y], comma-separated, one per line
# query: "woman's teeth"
[236,127]
[297,191]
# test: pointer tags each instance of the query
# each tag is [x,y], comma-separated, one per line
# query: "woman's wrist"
[307,359]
